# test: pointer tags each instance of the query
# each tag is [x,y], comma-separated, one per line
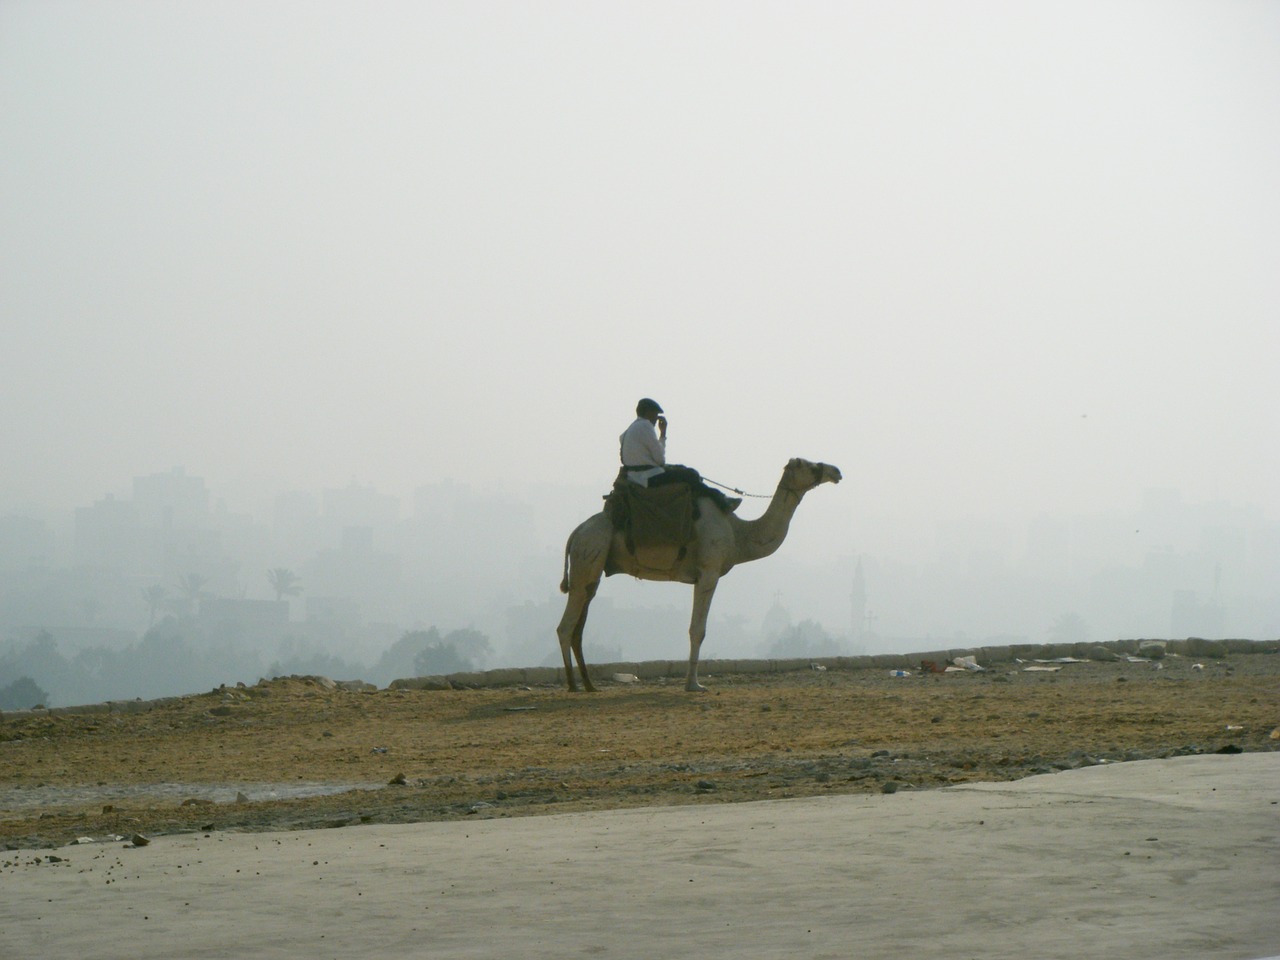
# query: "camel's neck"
[761,537]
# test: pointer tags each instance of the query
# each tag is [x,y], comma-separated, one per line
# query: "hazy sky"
[982,256]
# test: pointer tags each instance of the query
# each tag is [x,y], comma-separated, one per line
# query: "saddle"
[651,517]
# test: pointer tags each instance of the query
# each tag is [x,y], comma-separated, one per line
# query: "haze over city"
[387,282]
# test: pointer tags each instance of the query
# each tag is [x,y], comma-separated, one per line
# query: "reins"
[758,496]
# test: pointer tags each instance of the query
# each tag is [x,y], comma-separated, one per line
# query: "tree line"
[174,657]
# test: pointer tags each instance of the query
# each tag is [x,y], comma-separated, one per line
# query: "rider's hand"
[662,425]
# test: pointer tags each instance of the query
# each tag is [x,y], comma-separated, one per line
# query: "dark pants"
[679,473]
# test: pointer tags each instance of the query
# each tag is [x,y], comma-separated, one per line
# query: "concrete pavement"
[1160,859]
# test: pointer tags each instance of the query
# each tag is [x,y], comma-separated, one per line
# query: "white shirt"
[640,447]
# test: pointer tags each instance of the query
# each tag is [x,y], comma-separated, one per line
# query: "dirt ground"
[233,759]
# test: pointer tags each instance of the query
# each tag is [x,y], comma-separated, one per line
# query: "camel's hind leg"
[570,633]
[584,560]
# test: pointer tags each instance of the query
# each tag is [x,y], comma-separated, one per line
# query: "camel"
[721,542]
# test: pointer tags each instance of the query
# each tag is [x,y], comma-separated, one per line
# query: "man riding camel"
[643,450]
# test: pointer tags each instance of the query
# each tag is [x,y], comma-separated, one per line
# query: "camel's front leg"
[703,591]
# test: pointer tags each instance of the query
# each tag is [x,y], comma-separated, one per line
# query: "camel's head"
[803,475]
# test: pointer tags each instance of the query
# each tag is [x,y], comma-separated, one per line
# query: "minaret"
[858,605]
[777,621]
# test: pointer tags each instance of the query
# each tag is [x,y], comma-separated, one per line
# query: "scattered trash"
[930,666]
[84,840]
[1132,659]
[138,840]
[378,750]
[1234,726]
[1037,668]
[1275,734]
[518,709]
[968,663]
[625,678]
[817,666]
[899,673]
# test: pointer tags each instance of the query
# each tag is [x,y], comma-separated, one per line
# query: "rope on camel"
[758,496]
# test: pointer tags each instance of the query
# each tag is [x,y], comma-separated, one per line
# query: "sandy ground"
[286,754]
[1151,860]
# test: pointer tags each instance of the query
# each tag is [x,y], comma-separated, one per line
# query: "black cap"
[646,406]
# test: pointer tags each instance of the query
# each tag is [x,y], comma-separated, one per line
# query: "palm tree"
[284,582]
[155,597]
[192,587]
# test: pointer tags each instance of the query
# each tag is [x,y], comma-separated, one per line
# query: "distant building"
[171,501]
[358,506]
[109,534]
[255,621]
[333,621]
[25,542]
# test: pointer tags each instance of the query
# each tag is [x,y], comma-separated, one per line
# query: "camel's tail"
[564,584]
